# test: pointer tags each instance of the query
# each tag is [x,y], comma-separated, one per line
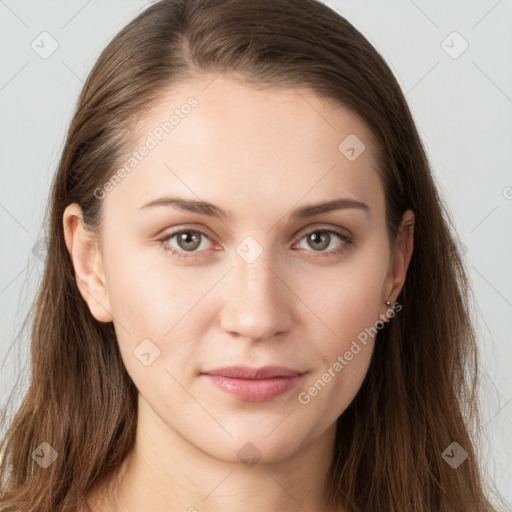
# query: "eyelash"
[347,242]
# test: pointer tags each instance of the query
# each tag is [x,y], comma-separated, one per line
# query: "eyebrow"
[211,210]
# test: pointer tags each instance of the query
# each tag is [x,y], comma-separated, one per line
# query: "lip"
[254,384]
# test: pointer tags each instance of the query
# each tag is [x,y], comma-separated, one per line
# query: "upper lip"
[248,372]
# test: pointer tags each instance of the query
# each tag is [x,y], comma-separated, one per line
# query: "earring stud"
[388,303]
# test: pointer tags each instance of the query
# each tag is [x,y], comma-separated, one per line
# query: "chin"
[255,446]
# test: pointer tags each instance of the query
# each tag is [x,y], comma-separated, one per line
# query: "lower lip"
[255,390]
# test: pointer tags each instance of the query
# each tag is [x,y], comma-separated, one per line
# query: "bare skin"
[259,155]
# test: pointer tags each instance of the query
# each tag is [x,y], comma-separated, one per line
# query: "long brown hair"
[420,393]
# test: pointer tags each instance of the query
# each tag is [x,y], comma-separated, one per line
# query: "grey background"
[462,106]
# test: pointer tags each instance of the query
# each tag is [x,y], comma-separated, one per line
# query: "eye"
[190,244]
[321,239]
[188,240]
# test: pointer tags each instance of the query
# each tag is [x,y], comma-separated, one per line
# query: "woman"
[252,298]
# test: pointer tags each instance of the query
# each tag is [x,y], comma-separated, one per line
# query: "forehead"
[250,149]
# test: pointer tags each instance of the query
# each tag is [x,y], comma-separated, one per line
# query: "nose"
[257,303]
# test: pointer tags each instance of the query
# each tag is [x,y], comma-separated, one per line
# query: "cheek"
[344,355]
[157,308]
[348,308]
[350,319]
[347,298]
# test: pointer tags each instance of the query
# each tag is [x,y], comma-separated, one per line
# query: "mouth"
[254,384]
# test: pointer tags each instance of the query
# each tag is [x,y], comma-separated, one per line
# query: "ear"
[401,258]
[85,255]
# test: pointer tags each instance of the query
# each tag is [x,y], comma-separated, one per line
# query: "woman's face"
[268,282]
